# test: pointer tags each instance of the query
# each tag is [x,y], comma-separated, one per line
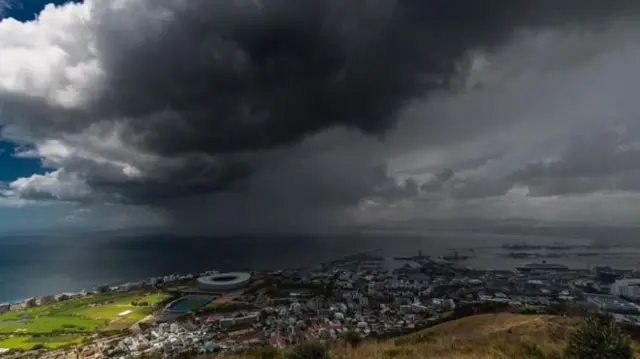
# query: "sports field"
[69,322]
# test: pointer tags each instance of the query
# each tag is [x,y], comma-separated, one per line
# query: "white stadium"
[221,282]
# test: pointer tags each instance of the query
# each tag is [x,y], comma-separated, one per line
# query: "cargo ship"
[530,247]
[542,266]
[455,257]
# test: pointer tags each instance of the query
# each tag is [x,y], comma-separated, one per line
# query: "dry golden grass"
[486,336]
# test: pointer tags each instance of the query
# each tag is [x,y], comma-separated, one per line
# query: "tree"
[329,288]
[598,337]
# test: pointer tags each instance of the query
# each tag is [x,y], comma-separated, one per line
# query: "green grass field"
[28,342]
[119,305]
[80,317]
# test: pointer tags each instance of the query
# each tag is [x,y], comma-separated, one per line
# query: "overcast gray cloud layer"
[268,109]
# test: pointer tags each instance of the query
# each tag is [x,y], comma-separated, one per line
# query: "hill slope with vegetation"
[487,336]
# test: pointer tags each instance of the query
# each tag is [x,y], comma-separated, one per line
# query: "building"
[29,303]
[62,297]
[103,289]
[132,286]
[233,321]
[222,282]
[46,299]
[611,303]
[5,307]
[629,287]
[364,301]
[314,304]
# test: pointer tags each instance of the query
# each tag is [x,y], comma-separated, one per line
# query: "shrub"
[598,336]
[352,338]
[558,331]
[38,347]
[308,351]
[266,353]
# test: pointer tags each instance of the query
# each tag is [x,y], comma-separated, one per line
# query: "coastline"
[91,264]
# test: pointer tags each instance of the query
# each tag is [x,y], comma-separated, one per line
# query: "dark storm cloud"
[194,176]
[566,186]
[600,162]
[445,182]
[296,194]
[441,175]
[387,189]
[438,182]
[478,189]
[597,155]
[257,77]
[445,175]
[226,78]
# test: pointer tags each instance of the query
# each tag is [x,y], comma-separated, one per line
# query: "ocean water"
[33,265]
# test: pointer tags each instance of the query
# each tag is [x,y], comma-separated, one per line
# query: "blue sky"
[30,217]
[27,9]
[13,167]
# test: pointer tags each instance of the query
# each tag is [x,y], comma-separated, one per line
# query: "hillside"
[487,336]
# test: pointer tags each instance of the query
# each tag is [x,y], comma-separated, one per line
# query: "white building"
[249,318]
[629,287]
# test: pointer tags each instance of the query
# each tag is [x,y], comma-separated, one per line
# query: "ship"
[521,246]
[542,266]
[529,247]
[587,254]
[455,257]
